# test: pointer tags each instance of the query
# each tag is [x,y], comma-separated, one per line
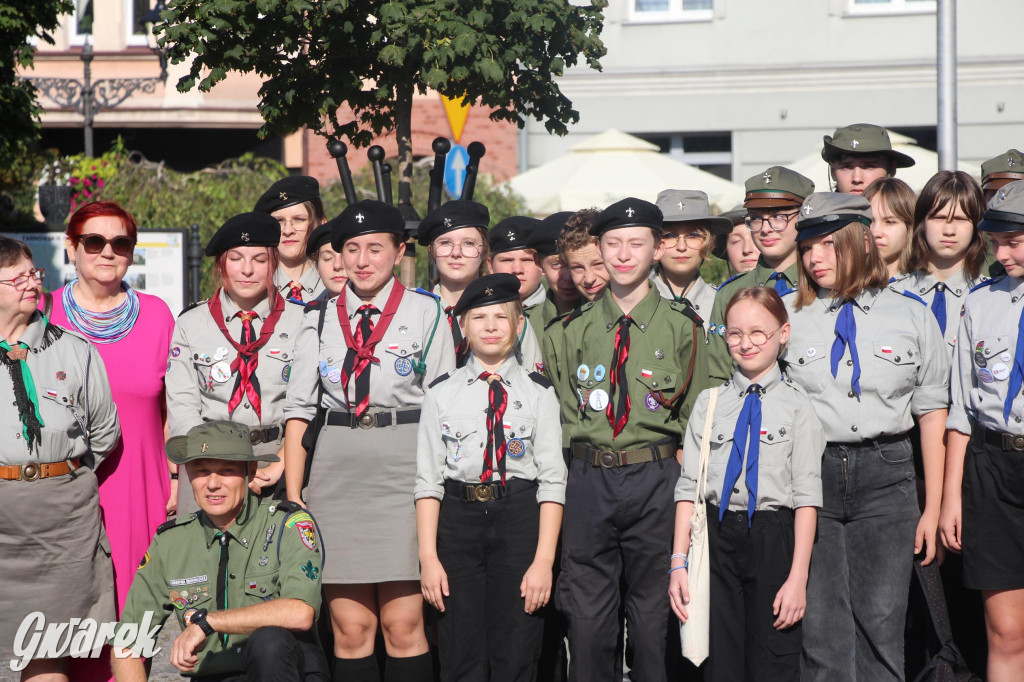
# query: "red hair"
[98,209]
[272,263]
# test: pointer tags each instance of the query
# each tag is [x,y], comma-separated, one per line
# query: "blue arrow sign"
[455,170]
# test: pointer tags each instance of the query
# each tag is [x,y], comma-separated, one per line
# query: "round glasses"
[298,223]
[95,243]
[693,240]
[758,337]
[446,247]
[776,222]
[21,282]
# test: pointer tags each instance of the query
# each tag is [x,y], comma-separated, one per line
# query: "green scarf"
[25,393]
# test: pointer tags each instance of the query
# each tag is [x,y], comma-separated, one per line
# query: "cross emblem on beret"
[360,218]
[630,212]
[1009,161]
[854,144]
[447,222]
[680,205]
[245,237]
[767,177]
[283,195]
[511,235]
[204,448]
[807,209]
[488,292]
[1002,195]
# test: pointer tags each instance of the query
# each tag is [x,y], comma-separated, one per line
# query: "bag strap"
[705,445]
[931,584]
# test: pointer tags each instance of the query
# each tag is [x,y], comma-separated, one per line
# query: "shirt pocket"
[896,363]
[659,379]
[260,587]
[68,420]
[721,449]
[279,364]
[203,366]
[774,462]
[519,438]
[399,359]
[457,435]
[186,600]
[808,364]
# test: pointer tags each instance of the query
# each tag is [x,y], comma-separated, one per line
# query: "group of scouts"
[526,459]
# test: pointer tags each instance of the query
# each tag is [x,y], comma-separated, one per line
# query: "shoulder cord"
[420,366]
[671,403]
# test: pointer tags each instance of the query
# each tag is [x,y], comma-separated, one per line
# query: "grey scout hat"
[690,206]
[1006,211]
[225,440]
[862,139]
[736,216]
[826,212]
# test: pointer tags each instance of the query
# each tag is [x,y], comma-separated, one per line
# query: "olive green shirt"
[551,343]
[666,347]
[274,552]
[719,361]
[538,308]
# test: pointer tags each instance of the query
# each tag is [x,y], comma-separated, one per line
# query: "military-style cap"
[629,212]
[221,439]
[826,212]
[1006,210]
[488,290]
[452,215]
[777,187]
[368,216]
[862,138]
[736,216]
[286,192]
[690,206]
[244,229]
[511,234]
[1002,170]
[544,238]
[320,236]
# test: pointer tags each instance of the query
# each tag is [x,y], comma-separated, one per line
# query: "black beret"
[452,216]
[544,239]
[320,236]
[286,192]
[511,234]
[368,216]
[627,213]
[245,229]
[487,290]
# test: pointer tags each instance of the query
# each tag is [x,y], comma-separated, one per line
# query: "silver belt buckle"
[30,472]
[607,459]
[366,421]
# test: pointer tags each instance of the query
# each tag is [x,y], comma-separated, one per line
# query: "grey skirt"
[360,493]
[54,554]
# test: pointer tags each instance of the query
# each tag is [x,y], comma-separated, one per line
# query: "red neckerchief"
[497,400]
[619,415]
[247,359]
[362,354]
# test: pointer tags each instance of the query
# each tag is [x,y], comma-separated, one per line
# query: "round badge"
[286,373]
[985,376]
[334,375]
[1005,357]
[599,373]
[188,616]
[403,366]
[651,402]
[811,352]
[220,353]
[220,372]
[1000,371]
[324,369]
[721,330]
[515,448]
[979,359]
[598,400]
[446,429]
[582,372]
[175,352]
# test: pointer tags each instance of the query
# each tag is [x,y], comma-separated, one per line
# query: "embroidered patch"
[252,584]
[515,448]
[178,582]
[295,518]
[286,373]
[175,352]
[188,616]
[145,560]
[403,367]
[307,532]
[180,603]
[651,403]
[61,376]
[310,570]
[539,366]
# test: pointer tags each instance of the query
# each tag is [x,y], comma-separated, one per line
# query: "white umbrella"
[611,166]
[927,165]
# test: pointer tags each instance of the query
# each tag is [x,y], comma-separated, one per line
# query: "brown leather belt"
[33,471]
[609,459]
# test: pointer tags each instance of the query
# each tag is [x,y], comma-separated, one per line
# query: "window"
[135,10]
[671,10]
[80,24]
[710,151]
[876,7]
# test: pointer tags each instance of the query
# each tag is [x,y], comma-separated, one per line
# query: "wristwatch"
[199,618]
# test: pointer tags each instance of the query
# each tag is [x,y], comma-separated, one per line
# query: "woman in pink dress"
[132,332]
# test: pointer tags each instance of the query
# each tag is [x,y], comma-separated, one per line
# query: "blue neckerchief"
[1017,374]
[748,427]
[939,306]
[846,336]
[781,286]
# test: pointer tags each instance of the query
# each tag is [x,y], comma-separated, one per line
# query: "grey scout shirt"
[955,289]
[790,446]
[69,404]
[312,286]
[984,358]
[452,439]
[199,383]
[701,295]
[418,323]
[903,360]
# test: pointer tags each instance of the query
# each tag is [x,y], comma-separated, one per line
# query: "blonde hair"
[514,311]
[859,266]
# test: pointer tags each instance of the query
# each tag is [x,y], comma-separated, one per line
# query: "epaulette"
[190,306]
[986,283]
[687,310]
[540,379]
[179,521]
[438,380]
[736,276]
[911,294]
[421,290]
[288,507]
[576,312]
[996,269]
[312,305]
[557,318]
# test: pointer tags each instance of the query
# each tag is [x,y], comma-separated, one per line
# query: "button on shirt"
[984,359]
[701,296]
[452,439]
[903,360]
[925,286]
[791,444]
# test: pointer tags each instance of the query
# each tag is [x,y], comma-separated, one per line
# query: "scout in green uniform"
[1000,171]
[241,576]
[562,295]
[859,154]
[636,364]
[773,201]
[511,253]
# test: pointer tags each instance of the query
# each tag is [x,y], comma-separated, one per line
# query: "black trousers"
[618,527]
[273,654]
[486,548]
[748,566]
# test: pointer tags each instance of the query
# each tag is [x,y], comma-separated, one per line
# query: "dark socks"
[356,669]
[412,669]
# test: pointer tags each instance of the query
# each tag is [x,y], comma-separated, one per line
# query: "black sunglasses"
[95,243]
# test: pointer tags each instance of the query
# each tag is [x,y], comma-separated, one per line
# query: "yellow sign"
[457,112]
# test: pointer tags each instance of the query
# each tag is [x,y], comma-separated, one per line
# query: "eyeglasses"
[758,337]
[776,222]
[21,282]
[693,240]
[446,247]
[298,223]
[95,243]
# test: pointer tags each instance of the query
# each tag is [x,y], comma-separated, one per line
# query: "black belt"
[609,459]
[485,492]
[1008,442]
[884,439]
[373,420]
[265,435]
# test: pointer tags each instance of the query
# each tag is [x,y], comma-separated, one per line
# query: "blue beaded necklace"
[103,327]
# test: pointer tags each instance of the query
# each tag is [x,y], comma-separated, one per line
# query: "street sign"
[457,111]
[455,170]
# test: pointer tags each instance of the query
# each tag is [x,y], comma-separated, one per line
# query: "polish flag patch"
[52,394]
[763,432]
[252,585]
[392,346]
[886,349]
[646,373]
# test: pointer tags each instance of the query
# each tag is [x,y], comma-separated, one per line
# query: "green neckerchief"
[28,386]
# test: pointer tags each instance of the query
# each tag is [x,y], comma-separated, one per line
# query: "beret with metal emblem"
[862,139]
[690,206]
[1002,170]
[225,440]
[736,216]
[286,192]
[511,234]
[317,238]
[488,290]
[368,216]
[544,238]
[629,212]
[452,215]
[1006,210]
[826,212]
[244,229]
[777,187]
